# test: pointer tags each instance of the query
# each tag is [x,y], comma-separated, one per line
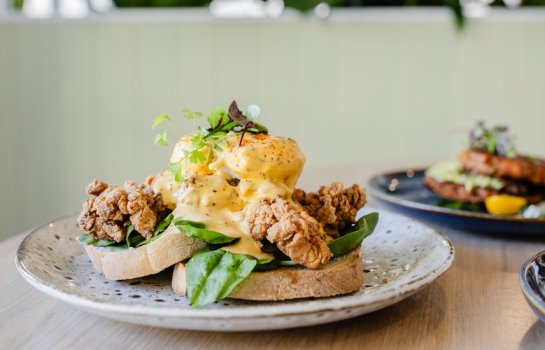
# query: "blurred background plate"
[404,191]
[532,283]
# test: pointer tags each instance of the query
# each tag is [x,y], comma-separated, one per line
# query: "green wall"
[77,97]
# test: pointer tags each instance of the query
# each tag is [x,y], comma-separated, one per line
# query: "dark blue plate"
[404,191]
[532,282]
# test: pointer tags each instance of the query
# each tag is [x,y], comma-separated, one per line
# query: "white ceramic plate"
[400,258]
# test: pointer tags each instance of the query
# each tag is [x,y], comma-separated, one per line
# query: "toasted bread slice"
[341,275]
[170,248]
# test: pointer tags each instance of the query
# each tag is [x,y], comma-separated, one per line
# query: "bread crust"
[170,248]
[341,275]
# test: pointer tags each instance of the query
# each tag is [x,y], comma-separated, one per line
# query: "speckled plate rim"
[435,209]
[386,298]
[531,296]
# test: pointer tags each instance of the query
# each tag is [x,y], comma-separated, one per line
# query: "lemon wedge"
[503,204]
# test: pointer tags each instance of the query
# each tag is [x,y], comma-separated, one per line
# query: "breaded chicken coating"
[294,232]
[111,209]
[333,206]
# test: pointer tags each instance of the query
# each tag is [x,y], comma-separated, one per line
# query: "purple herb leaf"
[236,114]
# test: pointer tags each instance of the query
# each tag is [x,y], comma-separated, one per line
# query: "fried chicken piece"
[100,226]
[456,192]
[96,187]
[333,206]
[294,232]
[111,204]
[142,216]
[111,209]
[518,168]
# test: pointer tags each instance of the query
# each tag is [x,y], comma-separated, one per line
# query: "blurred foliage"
[161,3]
[18,4]
[306,5]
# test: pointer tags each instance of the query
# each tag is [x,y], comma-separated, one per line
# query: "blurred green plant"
[18,4]
[307,5]
[161,3]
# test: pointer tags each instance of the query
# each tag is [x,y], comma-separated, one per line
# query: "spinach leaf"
[104,243]
[265,261]
[85,239]
[266,267]
[363,228]
[149,240]
[162,226]
[212,275]
[272,264]
[197,230]
[130,229]
[131,240]
[136,241]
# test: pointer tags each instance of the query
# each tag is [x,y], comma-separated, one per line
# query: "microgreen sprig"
[206,141]
[495,140]
[161,139]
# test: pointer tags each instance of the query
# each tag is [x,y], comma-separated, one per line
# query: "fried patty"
[518,168]
[455,192]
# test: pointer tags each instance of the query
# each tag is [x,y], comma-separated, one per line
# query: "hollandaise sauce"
[218,191]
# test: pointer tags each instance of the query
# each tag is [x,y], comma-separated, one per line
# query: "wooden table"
[477,304]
